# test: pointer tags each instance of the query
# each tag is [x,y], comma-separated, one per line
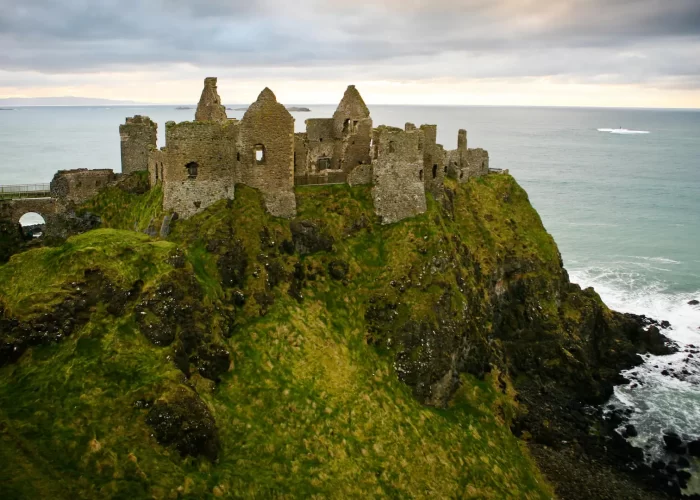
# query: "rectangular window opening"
[259,154]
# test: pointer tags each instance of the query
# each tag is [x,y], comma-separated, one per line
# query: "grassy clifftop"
[247,356]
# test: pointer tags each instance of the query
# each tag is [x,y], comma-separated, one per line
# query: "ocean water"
[618,189]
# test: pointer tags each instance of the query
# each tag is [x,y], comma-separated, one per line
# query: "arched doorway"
[33,225]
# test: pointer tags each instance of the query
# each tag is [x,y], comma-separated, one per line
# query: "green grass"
[36,280]
[120,209]
[308,408]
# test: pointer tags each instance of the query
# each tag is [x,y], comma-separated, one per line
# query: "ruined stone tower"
[138,137]
[209,107]
[399,189]
[265,153]
[463,162]
[352,129]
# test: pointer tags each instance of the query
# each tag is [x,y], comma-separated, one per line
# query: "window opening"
[192,170]
[259,154]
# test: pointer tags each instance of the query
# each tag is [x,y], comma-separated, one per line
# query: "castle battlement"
[203,160]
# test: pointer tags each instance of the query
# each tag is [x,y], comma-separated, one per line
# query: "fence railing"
[11,192]
[320,179]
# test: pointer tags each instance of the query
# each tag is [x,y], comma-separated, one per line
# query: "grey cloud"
[587,39]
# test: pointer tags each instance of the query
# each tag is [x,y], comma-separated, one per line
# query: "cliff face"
[249,355]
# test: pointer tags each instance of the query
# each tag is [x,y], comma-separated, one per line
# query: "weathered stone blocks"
[138,136]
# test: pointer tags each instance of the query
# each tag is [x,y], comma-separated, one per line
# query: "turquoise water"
[624,208]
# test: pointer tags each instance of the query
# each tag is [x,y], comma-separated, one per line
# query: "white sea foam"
[660,402]
[622,131]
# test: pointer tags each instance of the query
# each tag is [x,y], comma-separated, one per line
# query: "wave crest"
[622,131]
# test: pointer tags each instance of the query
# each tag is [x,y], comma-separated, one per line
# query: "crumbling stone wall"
[399,190]
[138,137]
[76,186]
[266,147]
[477,162]
[433,161]
[199,165]
[156,166]
[209,107]
[352,130]
[464,163]
[300,154]
[361,174]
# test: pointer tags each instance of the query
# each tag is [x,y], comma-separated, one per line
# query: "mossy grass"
[308,408]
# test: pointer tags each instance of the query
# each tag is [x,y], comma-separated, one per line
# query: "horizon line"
[117,104]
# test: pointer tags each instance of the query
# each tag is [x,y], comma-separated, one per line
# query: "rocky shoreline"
[583,450]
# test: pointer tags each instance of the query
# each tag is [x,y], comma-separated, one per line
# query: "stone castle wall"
[352,128]
[203,160]
[197,165]
[434,158]
[138,136]
[399,190]
[77,186]
[320,144]
[156,166]
[266,147]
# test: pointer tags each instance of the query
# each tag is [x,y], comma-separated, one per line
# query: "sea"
[619,189]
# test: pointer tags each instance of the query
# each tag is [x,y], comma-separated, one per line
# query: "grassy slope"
[308,407]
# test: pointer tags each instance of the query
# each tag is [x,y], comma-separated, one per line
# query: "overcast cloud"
[649,42]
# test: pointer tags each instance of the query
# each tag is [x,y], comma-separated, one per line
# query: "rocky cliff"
[251,356]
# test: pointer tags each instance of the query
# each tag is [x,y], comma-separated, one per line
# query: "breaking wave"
[659,399]
[622,131]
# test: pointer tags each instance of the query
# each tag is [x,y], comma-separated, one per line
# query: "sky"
[637,53]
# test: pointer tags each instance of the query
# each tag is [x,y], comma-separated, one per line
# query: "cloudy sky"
[642,53]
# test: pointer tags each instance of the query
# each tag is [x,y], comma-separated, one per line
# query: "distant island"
[183,107]
[7,109]
[62,101]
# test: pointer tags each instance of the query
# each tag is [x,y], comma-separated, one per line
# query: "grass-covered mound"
[247,356]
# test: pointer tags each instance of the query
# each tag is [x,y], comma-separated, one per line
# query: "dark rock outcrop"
[11,239]
[308,237]
[186,423]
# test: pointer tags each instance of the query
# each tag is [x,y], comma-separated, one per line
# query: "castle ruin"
[203,160]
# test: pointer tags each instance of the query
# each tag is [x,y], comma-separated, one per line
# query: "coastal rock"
[694,448]
[672,441]
[693,302]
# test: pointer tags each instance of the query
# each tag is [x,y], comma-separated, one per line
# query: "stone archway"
[33,225]
[13,210]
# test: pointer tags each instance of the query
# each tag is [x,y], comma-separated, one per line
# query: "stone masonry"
[138,137]
[79,185]
[399,188]
[202,161]
[265,156]
[464,163]
[210,108]
[196,165]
